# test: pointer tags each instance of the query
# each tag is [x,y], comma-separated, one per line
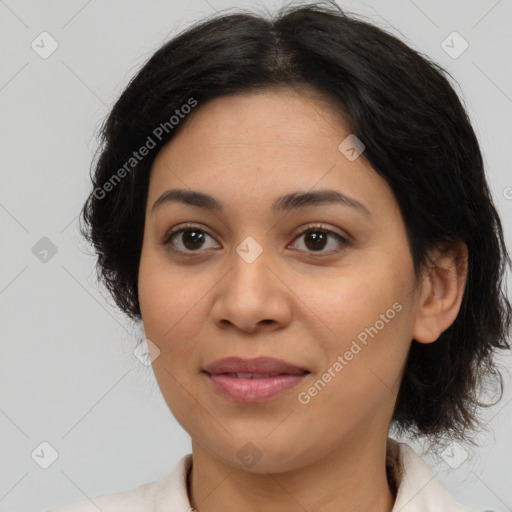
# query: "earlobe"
[442,290]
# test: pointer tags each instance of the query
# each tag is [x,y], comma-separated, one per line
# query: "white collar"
[418,489]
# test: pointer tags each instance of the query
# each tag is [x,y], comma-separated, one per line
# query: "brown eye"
[191,239]
[316,238]
[186,239]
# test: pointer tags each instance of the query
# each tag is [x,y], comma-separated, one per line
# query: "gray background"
[67,372]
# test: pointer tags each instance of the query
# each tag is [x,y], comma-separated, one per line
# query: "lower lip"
[254,390]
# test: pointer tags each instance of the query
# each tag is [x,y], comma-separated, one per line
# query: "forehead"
[279,118]
[264,144]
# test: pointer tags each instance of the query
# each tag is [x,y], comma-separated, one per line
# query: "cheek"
[174,306]
[166,295]
[355,297]
[367,320]
[170,303]
[359,378]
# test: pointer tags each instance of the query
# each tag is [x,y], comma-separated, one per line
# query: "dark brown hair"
[417,136]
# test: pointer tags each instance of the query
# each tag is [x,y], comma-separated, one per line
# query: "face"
[325,285]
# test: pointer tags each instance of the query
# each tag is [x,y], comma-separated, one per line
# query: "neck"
[352,478]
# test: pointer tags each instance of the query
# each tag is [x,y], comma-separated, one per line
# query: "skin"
[294,302]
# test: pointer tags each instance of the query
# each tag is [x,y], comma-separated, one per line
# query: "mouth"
[253,380]
[240,375]
[266,366]
[255,388]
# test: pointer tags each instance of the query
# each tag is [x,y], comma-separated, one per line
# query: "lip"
[254,365]
[258,389]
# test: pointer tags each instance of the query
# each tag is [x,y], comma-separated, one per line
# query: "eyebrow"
[286,203]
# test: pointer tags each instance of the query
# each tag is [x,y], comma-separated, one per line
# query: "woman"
[297,212]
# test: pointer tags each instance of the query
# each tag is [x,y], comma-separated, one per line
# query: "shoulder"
[417,487]
[170,490]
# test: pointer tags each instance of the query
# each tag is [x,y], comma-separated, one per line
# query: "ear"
[442,288]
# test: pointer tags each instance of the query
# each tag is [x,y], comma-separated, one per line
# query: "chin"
[261,455]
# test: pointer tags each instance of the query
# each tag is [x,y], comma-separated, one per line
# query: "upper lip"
[256,365]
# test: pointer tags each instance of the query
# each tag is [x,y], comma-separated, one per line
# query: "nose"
[252,296]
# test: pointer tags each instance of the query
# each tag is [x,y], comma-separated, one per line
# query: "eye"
[317,237]
[193,238]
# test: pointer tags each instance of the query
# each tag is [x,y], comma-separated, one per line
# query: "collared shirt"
[417,489]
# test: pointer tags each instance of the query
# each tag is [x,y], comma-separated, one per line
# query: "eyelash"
[311,228]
